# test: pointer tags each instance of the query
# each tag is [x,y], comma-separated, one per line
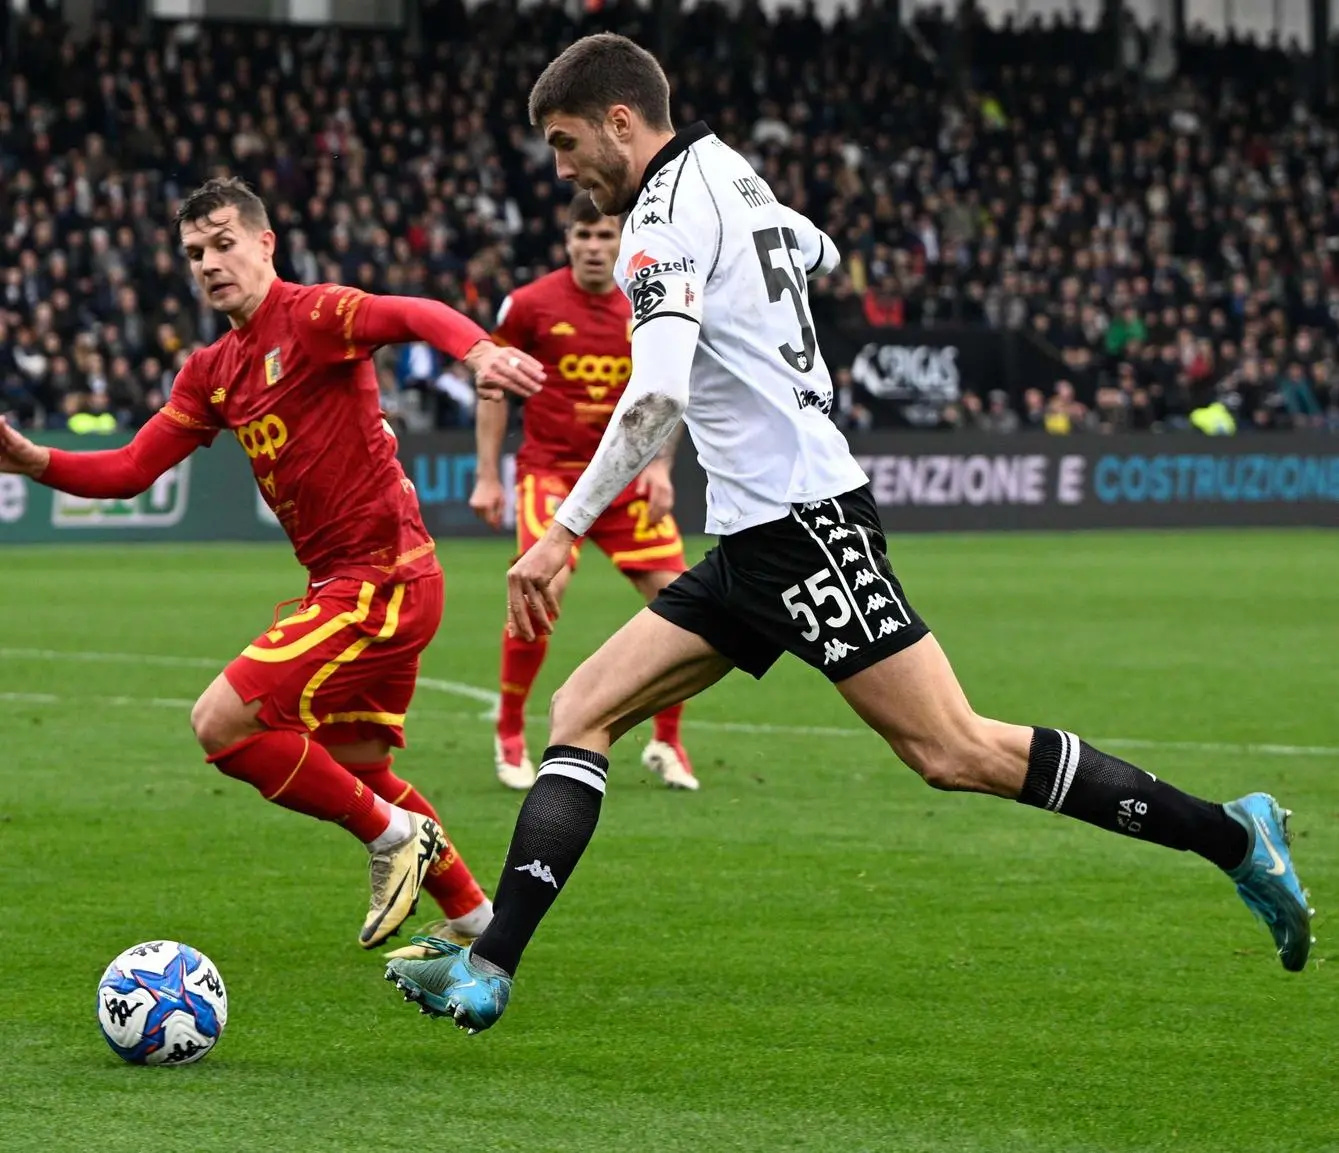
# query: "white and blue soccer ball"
[162,1003]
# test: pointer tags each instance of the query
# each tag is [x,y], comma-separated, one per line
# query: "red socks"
[292,770]
[520,666]
[665,727]
[521,661]
[449,882]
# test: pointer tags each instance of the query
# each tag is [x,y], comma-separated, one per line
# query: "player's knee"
[558,711]
[569,722]
[215,728]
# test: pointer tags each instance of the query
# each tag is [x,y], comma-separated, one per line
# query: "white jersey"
[708,241]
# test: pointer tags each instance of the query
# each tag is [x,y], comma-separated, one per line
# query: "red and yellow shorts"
[343,666]
[622,533]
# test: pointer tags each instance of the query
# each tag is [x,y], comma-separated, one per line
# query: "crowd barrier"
[923,482]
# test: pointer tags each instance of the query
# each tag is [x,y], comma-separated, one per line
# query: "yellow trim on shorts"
[317,636]
[327,670]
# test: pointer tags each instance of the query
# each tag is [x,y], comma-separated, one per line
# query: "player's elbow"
[654,413]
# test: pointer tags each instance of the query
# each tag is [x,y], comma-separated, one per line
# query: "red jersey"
[584,340]
[301,396]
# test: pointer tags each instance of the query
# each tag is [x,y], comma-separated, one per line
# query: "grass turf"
[815,952]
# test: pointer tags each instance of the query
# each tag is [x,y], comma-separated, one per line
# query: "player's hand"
[19,455]
[655,486]
[532,605]
[488,500]
[500,370]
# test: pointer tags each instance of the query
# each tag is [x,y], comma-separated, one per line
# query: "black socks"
[1069,776]
[552,831]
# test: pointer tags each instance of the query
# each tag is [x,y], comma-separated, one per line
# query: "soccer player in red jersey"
[577,323]
[309,712]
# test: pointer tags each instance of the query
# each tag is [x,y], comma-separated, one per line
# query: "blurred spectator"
[1167,233]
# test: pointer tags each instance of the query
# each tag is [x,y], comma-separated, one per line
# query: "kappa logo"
[274,368]
[183,1051]
[837,650]
[119,1010]
[539,872]
[562,328]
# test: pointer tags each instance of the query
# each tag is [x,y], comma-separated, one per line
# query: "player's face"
[593,251]
[592,157]
[232,263]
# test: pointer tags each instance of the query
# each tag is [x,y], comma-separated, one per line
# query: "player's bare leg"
[646,666]
[665,755]
[292,770]
[521,662]
[466,911]
[914,701]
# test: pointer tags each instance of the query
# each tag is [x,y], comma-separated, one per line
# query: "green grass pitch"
[816,952]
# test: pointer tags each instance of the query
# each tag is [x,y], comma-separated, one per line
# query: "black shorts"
[816,583]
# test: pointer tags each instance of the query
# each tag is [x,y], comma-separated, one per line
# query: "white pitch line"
[491,699]
[176,704]
[31,698]
[167,662]
[1263,750]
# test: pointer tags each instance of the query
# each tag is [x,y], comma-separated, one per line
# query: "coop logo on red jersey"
[643,266]
[606,370]
[263,437]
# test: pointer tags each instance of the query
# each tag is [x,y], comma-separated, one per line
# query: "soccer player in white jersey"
[716,273]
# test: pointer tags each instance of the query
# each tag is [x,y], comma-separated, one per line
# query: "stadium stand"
[1162,242]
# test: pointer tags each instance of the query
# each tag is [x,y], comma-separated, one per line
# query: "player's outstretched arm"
[647,413]
[110,473]
[399,319]
[490,430]
[656,483]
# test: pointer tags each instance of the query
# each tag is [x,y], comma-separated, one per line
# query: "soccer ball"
[162,1003]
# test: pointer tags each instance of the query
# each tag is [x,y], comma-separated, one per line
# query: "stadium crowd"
[1169,236]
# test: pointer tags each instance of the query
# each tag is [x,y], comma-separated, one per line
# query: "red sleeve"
[188,404]
[514,324]
[340,323]
[124,472]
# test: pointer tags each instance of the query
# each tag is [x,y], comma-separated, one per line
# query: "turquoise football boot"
[472,993]
[1266,879]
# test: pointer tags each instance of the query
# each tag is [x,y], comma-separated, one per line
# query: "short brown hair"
[582,210]
[219,193]
[597,72]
